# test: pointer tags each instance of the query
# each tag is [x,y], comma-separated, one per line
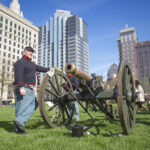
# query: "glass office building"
[78,51]
[64,39]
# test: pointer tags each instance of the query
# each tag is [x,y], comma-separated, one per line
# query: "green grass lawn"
[103,134]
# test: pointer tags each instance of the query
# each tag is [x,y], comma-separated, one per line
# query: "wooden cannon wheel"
[126,99]
[54,110]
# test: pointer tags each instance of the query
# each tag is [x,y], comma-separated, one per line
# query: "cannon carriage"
[57,91]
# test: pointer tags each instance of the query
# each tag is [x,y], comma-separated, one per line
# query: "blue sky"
[105,19]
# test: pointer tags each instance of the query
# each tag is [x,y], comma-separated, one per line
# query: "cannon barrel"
[70,68]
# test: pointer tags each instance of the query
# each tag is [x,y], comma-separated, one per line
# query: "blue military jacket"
[25,72]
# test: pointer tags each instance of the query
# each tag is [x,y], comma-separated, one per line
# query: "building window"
[10,23]
[6,21]
[3,67]
[1,18]
[19,28]
[6,27]
[10,29]
[1,25]
[4,46]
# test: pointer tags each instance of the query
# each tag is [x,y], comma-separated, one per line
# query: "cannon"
[56,96]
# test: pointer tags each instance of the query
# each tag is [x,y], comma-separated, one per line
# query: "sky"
[105,19]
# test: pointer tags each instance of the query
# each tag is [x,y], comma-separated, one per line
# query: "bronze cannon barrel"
[70,68]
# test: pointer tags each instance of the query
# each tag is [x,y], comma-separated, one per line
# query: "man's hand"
[22,91]
[51,72]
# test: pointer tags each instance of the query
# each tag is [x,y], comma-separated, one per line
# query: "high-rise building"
[113,71]
[126,45]
[143,59]
[52,50]
[16,33]
[78,50]
[64,39]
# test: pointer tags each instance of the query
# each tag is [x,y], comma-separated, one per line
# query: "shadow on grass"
[87,124]
[37,124]
[144,112]
[7,125]
[144,121]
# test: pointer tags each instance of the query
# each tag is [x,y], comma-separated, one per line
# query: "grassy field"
[103,135]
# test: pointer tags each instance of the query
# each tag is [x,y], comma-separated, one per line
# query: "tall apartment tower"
[53,42]
[16,33]
[143,59]
[78,50]
[63,39]
[126,45]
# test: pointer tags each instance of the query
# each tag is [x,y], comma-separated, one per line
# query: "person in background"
[25,80]
[75,84]
[12,102]
[140,96]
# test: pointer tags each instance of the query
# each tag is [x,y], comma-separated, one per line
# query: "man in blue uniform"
[25,80]
[75,84]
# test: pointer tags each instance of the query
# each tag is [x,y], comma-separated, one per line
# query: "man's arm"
[19,71]
[41,69]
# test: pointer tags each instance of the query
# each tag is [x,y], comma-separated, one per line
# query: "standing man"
[25,80]
[75,84]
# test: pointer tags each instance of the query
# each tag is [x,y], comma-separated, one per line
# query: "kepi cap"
[29,49]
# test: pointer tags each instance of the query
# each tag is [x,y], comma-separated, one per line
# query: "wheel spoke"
[53,87]
[67,112]
[59,117]
[57,83]
[63,114]
[53,107]
[70,106]
[54,115]
[130,112]
[51,92]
